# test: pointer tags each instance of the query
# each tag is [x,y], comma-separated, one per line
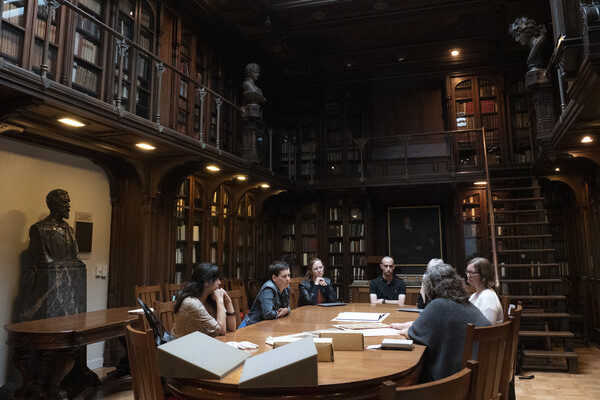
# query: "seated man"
[387,289]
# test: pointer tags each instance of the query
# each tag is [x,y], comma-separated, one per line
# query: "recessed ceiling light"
[454,53]
[265,185]
[213,168]
[145,146]
[349,65]
[481,183]
[401,58]
[71,122]
[557,169]
[241,177]
[587,139]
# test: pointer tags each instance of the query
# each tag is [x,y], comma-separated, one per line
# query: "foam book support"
[292,365]
[198,356]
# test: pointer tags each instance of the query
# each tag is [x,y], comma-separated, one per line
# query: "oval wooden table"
[352,375]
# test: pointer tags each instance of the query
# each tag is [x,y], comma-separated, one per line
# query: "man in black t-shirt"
[387,288]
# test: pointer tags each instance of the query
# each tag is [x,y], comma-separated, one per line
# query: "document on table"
[361,317]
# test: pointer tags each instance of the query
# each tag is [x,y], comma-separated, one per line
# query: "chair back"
[148,294]
[143,363]
[170,290]
[510,357]
[460,386]
[493,343]
[294,295]
[235,284]
[505,302]
[239,285]
[237,298]
[164,312]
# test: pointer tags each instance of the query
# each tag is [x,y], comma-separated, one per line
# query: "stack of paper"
[397,344]
[361,317]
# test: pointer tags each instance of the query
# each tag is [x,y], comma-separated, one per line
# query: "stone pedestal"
[51,290]
[541,91]
[250,125]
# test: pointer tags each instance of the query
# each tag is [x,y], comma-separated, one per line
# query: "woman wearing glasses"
[480,275]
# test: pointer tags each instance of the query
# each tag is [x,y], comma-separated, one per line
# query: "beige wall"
[27,174]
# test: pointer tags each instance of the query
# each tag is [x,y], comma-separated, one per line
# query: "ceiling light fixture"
[265,185]
[349,65]
[241,177]
[145,146]
[586,139]
[213,168]
[481,183]
[454,52]
[557,169]
[71,122]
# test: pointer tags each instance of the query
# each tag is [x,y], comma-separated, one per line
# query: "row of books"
[464,107]
[335,231]
[358,273]
[518,105]
[288,244]
[465,122]
[85,49]
[94,6]
[40,30]
[353,155]
[89,28]
[519,121]
[357,229]
[288,229]
[307,257]
[335,247]
[334,214]
[487,90]
[84,77]
[488,106]
[490,121]
[179,255]
[517,88]
[471,212]
[471,229]
[12,42]
[309,228]
[523,157]
[357,260]
[472,246]
[333,155]
[357,245]
[307,169]
[335,260]
[309,244]
[472,199]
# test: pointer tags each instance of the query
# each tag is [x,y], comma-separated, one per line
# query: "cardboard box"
[198,356]
[397,344]
[324,347]
[345,340]
[294,365]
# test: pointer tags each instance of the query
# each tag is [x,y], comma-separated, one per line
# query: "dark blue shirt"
[387,290]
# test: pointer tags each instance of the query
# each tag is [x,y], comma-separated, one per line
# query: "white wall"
[27,174]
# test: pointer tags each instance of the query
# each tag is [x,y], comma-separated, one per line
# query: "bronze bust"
[52,239]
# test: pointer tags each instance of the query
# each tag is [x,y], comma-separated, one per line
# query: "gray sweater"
[442,327]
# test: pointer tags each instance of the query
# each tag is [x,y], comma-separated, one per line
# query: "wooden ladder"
[529,273]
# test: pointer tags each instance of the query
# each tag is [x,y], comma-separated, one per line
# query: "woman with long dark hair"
[202,306]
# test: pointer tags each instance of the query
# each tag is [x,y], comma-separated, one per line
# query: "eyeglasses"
[472,273]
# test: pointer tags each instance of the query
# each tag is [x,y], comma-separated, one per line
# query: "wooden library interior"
[242,133]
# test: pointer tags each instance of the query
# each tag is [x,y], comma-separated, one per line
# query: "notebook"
[331,304]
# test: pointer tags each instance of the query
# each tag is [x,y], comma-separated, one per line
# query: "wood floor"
[544,386]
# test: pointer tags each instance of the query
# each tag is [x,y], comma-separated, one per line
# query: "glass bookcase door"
[40,36]
[309,233]
[189,214]
[465,120]
[335,244]
[519,122]
[356,235]
[12,34]
[87,49]
[488,111]
[288,233]
[472,227]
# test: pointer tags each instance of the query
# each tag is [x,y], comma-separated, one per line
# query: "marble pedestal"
[51,290]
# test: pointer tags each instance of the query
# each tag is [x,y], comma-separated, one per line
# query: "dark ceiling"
[325,40]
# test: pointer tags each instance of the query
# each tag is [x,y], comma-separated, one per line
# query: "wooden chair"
[294,291]
[237,298]
[460,386]
[239,285]
[510,358]
[493,343]
[143,362]
[148,294]
[505,302]
[170,290]
[164,312]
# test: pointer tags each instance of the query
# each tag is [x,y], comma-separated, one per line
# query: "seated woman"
[315,289]
[480,275]
[422,299]
[273,300]
[201,306]
[442,325]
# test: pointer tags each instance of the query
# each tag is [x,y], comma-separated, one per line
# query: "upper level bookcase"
[476,102]
[189,217]
[520,126]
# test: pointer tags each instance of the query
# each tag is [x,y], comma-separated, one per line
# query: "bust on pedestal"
[251,121]
[53,279]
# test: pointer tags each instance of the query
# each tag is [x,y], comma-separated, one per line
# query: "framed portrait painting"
[414,234]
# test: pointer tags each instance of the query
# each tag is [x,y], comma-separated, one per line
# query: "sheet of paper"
[361,325]
[361,317]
